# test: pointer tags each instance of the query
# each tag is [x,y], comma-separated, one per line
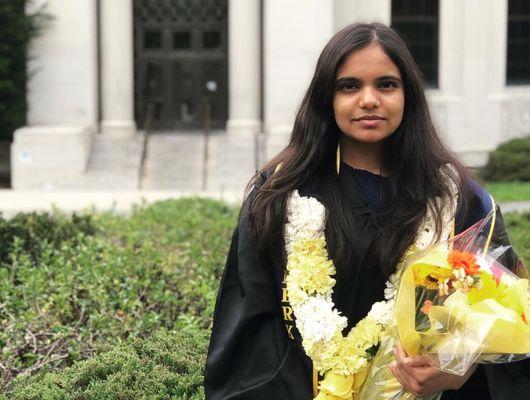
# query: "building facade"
[113,68]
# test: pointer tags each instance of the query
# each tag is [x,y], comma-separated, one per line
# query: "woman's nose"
[368,99]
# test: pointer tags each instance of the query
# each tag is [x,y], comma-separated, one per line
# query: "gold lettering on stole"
[287,313]
[285,295]
[289,331]
[287,309]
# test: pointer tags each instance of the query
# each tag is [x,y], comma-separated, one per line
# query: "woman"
[363,144]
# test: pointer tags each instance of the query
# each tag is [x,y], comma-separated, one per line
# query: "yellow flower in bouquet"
[508,292]
[429,276]
[486,290]
[513,294]
[430,270]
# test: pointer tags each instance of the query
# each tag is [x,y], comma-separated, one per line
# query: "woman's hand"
[417,375]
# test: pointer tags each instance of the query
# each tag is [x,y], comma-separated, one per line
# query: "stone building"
[105,71]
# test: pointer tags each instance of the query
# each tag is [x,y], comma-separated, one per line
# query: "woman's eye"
[387,85]
[348,87]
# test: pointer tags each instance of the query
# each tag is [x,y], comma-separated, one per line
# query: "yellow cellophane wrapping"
[380,383]
[461,332]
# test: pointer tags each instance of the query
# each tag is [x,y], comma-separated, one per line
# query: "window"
[417,21]
[182,40]
[211,40]
[152,40]
[518,54]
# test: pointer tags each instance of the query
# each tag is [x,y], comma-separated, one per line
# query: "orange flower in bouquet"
[463,259]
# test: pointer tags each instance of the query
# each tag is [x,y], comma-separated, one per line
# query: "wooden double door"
[181,63]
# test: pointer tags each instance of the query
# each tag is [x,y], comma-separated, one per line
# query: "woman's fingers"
[405,380]
[413,373]
[406,361]
[419,361]
[418,376]
[398,376]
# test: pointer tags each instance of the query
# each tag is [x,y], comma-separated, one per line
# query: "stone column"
[344,13]
[244,66]
[295,34]
[374,11]
[233,156]
[54,147]
[117,68]
[347,12]
[472,74]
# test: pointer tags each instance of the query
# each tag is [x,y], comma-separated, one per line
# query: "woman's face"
[369,97]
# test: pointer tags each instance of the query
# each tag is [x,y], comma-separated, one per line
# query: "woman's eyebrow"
[387,77]
[378,79]
[348,79]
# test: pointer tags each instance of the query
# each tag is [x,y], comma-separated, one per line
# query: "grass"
[509,191]
[518,228]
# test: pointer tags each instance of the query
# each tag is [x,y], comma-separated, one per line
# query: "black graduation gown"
[255,351]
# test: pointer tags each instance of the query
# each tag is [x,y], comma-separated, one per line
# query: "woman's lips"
[369,123]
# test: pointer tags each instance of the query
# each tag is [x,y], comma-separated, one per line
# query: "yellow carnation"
[366,334]
[309,267]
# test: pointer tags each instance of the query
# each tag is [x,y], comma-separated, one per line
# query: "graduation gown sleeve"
[250,355]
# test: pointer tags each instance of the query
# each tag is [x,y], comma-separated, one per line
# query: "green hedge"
[168,365]
[35,230]
[91,282]
[110,307]
[509,162]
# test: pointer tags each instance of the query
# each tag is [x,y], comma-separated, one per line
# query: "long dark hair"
[414,157]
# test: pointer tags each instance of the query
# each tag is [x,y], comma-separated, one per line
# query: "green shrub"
[167,365]
[30,232]
[509,162]
[96,317]
[64,298]
[16,30]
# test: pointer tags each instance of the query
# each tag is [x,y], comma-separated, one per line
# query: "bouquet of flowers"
[457,304]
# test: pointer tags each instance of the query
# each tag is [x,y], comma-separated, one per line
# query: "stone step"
[114,163]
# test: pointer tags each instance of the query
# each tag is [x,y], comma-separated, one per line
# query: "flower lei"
[343,360]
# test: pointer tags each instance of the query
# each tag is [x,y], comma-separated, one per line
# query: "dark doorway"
[181,49]
[418,22]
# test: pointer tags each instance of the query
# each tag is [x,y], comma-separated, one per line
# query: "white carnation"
[318,321]
[391,286]
[382,311]
[306,219]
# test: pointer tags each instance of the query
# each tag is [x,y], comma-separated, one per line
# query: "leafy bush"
[63,300]
[16,30]
[509,162]
[29,232]
[167,365]
[122,310]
